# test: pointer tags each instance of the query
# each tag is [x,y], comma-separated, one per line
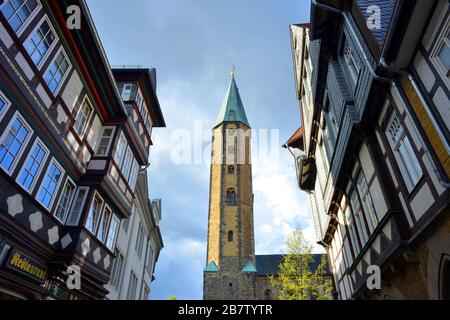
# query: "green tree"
[296,280]
[172,298]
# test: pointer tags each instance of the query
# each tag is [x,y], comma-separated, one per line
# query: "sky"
[193,44]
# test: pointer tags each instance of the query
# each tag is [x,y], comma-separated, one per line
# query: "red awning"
[296,141]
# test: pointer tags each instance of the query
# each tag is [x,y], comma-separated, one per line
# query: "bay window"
[127,164]
[120,150]
[112,233]
[105,141]
[134,175]
[358,214]
[126,91]
[77,208]
[104,225]
[367,202]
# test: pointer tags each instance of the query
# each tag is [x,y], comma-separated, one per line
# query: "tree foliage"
[296,280]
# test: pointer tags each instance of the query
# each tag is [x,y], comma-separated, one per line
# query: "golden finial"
[233,73]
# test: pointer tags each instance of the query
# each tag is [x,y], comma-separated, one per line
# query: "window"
[359,217]
[352,64]
[116,271]
[139,240]
[104,224]
[17,12]
[105,141]
[82,119]
[151,255]
[78,204]
[132,287]
[149,125]
[231,196]
[33,166]
[64,202]
[94,214]
[2,105]
[127,164]
[231,170]
[120,151]
[134,175]
[352,231]
[13,142]
[404,153]
[49,187]
[40,42]
[367,202]
[56,72]
[126,91]
[112,233]
[230,236]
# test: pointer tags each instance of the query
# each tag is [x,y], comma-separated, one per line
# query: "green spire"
[232,108]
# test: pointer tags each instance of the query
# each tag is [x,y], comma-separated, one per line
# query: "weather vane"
[233,73]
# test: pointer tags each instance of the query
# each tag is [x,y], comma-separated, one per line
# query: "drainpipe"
[441,177]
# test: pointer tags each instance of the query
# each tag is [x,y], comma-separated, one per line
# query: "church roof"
[269,265]
[232,109]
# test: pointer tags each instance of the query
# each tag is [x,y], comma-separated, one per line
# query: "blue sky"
[193,44]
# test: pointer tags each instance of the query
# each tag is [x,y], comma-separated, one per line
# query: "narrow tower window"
[230,236]
[231,170]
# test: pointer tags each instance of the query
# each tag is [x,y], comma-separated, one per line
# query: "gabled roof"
[232,109]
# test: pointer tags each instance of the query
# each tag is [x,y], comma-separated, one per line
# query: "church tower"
[230,273]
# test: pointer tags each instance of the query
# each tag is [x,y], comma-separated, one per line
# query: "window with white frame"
[112,233]
[94,214]
[132,287]
[441,53]
[17,12]
[62,209]
[33,166]
[352,64]
[13,142]
[139,240]
[40,42]
[403,152]
[353,231]
[49,187]
[57,72]
[117,268]
[149,125]
[4,105]
[105,141]
[77,208]
[126,91]
[82,119]
[367,202]
[358,214]
[120,150]
[102,232]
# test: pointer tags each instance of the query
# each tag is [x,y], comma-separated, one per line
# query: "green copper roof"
[232,108]
[249,267]
[212,267]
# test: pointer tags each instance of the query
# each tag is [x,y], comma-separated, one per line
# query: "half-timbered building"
[72,144]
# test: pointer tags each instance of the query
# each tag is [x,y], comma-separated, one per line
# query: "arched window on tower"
[230,236]
[231,170]
[231,196]
[268,295]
